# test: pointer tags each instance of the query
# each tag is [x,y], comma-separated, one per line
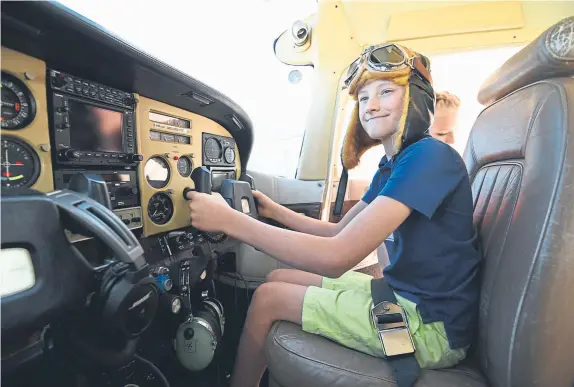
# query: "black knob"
[63,109]
[188,333]
[58,80]
[134,190]
[129,101]
[170,303]
[136,158]
[69,154]
[185,191]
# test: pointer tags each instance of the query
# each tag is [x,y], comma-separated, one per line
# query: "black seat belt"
[338,209]
[405,368]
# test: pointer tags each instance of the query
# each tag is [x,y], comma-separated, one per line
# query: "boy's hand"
[265,206]
[208,212]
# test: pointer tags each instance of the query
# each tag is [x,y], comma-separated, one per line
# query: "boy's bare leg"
[294,276]
[272,301]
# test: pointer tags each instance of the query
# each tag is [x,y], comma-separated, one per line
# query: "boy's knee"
[264,296]
[276,275]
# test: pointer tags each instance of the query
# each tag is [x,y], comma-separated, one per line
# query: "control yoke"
[236,193]
[201,179]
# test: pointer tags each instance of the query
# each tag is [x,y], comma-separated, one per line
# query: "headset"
[125,302]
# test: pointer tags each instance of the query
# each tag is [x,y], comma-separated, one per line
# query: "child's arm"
[304,224]
[327,256]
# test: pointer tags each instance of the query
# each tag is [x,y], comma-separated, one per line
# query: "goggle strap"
[420,67]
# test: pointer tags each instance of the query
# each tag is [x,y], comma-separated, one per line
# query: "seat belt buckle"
[392,325]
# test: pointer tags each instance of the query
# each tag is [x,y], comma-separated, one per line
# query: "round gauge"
[229,155]
[18,104]
[156,171]
[212,148]
[20,164]
[160,208]
[184,166]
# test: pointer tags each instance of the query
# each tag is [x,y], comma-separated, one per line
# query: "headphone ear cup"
[213,320]
[111,276]
[216,308]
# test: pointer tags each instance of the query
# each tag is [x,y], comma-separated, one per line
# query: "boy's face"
[380,107]
[444,124]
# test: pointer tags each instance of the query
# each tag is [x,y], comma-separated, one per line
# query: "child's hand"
[208,212]
[265,206]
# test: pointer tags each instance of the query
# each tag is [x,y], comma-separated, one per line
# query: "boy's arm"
[304,224]
[326,256]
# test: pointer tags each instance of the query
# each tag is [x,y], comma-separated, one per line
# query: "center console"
[93,129]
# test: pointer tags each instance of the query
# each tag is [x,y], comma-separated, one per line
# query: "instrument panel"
[173,142]
[25,143]
[54,125]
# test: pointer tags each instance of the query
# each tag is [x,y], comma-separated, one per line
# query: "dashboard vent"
[235,120]
[199,98]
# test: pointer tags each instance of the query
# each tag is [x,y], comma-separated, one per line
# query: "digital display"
[168,120]
[116,177]
[165,137]
[154,135]
[94,128]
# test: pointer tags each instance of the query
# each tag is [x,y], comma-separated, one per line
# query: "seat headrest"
[548,56]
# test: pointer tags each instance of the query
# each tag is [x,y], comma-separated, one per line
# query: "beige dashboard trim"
[37,134]
[149,148]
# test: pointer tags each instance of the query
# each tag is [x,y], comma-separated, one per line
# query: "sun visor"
[293,46]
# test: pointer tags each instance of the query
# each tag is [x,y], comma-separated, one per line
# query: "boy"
[445,117]
[421,193]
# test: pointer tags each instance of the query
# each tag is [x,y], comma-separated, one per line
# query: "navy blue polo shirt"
[433,254]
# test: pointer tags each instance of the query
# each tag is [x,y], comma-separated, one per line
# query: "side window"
[462,74]
[278,109]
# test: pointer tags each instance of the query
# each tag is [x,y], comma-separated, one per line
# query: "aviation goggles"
[385,58]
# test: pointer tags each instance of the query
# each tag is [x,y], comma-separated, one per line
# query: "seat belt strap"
[405,368]
[338,209]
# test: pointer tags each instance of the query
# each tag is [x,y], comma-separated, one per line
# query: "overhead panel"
[456,20]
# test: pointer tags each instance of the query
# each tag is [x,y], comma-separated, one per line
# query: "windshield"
[227,45]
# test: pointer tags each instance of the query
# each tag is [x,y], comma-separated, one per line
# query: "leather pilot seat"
[520,158]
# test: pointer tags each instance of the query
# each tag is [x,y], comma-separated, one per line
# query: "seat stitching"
[479,188]
[498,208]
[506,230]
[553,199]
[499,164]
[488,196]
[472,151]
[330,365]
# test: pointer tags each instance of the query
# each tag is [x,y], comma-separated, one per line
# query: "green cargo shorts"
[341,311]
